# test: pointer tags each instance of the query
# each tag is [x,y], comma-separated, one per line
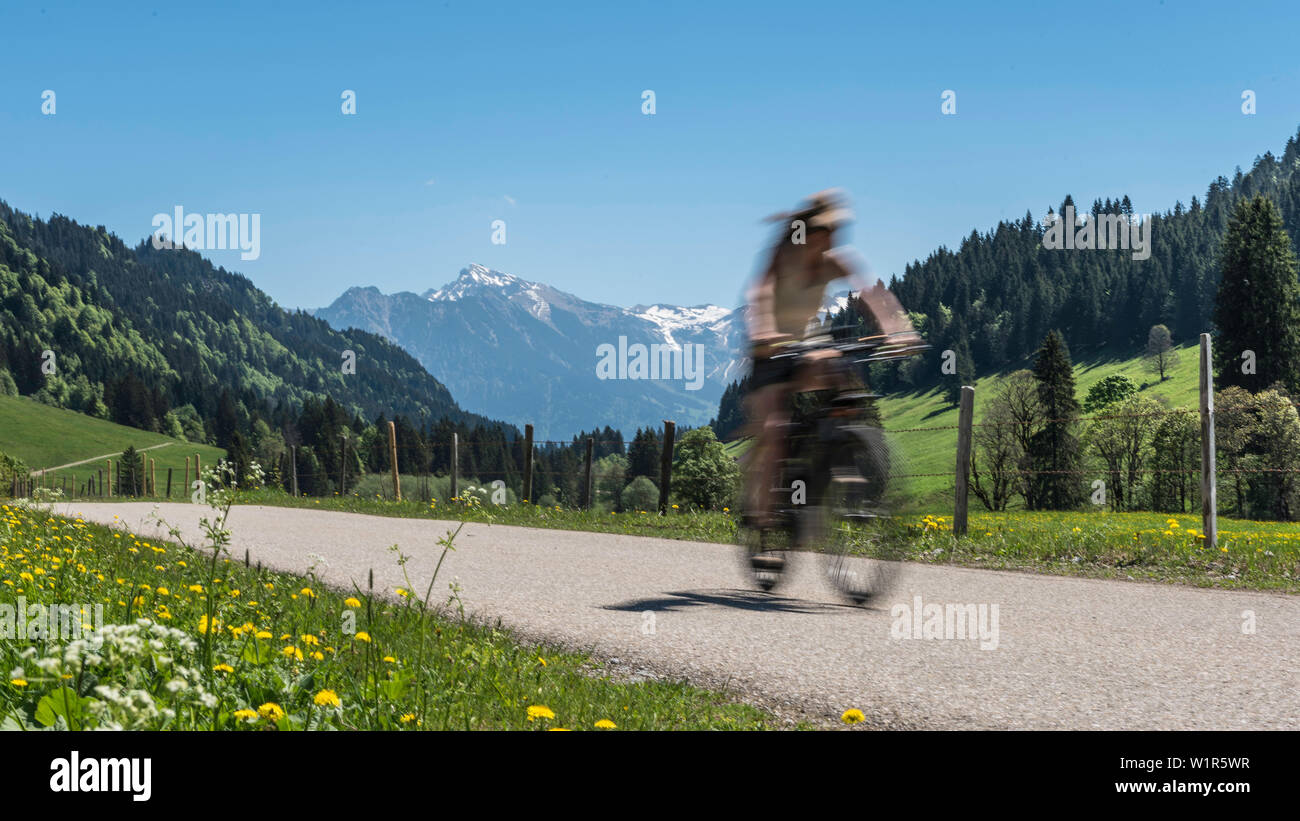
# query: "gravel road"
[1067,653]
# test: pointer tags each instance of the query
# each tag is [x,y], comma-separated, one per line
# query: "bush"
[7,385]
[1110,391]
[10,467]
[640,494]
[704,476]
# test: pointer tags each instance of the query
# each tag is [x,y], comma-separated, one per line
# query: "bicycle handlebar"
[802,347]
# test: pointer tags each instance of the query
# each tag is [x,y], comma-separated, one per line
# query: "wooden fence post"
[153,477]
[293,464]
[1209,489]
[108,470]
[528,463]
[586,495]
[392,457]
[455,465]
[187,477]
[169,483]
[964,419]
[343,466]
[666,465]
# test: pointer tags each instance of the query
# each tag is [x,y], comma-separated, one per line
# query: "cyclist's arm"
[881,306]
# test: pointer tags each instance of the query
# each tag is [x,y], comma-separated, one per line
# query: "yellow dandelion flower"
[540,711]
[363,636]
[271,711]
[245,714]
[224,668]
[351,602]
[605,724]
[328,698]
[853,716]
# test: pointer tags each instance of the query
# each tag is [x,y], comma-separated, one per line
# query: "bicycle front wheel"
[860,554]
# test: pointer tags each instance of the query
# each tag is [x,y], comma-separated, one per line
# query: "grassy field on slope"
[45,437]
[934,451]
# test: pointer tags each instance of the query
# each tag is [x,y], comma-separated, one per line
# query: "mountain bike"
[837,480]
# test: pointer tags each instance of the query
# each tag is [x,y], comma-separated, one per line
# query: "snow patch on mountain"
[672,318]
[478,276]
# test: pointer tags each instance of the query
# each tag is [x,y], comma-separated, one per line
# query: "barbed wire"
[1013,423]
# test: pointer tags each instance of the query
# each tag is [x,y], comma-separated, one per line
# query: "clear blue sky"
[531,113]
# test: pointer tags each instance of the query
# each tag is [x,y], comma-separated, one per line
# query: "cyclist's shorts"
[772,371]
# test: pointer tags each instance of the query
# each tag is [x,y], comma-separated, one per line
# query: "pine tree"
[1258,307]
[1055,449]
[643,457]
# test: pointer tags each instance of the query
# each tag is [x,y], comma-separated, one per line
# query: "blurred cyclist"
[783,306]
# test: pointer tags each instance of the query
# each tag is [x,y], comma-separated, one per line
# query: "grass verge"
[187,639]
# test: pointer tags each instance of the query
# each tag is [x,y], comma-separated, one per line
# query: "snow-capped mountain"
[528,353]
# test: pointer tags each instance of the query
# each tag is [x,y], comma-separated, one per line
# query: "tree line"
[1144,454]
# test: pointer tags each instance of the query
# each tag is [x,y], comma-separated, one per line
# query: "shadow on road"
[735,599]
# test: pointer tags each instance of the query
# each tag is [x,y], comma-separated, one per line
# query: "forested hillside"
[162,340]
[1000,292]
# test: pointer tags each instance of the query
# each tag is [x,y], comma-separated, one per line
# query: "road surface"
[1069,653]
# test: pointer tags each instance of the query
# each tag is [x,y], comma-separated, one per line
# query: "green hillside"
[46,437]
[137,333]
[936,451]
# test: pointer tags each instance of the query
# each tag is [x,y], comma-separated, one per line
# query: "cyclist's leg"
[768,410]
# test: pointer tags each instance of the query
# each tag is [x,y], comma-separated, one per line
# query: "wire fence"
[424,467]
[1131,468]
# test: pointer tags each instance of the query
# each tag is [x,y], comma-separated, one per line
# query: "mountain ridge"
[469,331]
